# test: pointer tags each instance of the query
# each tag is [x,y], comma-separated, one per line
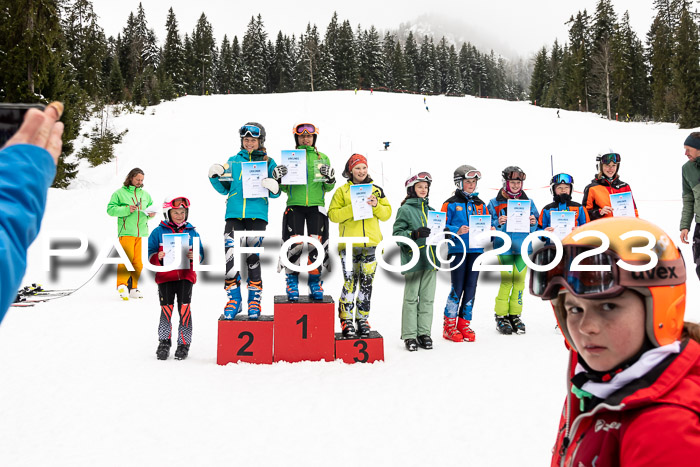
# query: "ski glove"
[279,172]
[327,172]
[421,232]
[271,184]
[216,171]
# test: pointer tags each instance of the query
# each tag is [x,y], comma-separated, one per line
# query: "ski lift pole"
[551,162]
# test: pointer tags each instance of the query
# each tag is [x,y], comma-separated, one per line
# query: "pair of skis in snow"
[32,294]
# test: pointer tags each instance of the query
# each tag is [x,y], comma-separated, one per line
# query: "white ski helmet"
[171,202]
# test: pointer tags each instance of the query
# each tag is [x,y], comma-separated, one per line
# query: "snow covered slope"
[80,382]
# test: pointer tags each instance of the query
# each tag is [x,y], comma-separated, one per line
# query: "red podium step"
[245,340]
[304,329]
[367,350]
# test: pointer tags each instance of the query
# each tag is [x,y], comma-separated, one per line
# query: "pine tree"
[173,55]
[552,96]
[373,69]
[578,81]
[254,52]
[29,38]
[442,63]
[346,59]
[333,47]
[204,55]
[603,32]
[454,75]
[325,80]
[225,71]
[239,84]
[686,70]
[412,58]
[427,65]
[466,67]
[540,78]
[86,44]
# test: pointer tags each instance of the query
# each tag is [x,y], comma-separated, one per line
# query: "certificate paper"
[358,197]
[518,216]
[436,223]
[622,205]
[478,226]
[563,222]
[169,247]
[252,174]
[295,161]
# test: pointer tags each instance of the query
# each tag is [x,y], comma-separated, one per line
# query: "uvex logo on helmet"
[660,272]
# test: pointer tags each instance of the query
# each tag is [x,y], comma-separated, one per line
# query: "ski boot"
[425,342]
[465,330]
[182,351]
[503,325]
[293,287]
[163,351]
[233,306]
[517,324]
[315,289]
[254,296]
[135,293]
[348,329]
[123,291]
[449,330]
[411,345]
[363,328]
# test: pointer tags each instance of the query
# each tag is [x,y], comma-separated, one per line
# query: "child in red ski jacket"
[634,393]
[177,282]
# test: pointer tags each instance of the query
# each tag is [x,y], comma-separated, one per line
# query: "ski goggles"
[516,176]
[419,177]
[250,130]
[562,178]
[612,158]
[597,284]
[180,202]
[305,128]
[473,174]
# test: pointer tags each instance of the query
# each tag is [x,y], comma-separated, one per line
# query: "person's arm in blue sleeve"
[26,173]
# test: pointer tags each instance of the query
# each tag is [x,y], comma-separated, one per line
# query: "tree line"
[605,68]
[56,49]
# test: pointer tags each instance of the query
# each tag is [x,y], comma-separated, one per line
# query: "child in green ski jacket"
[419,291]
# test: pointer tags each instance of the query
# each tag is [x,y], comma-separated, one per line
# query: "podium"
[244,340]
[303,329]
[360,350]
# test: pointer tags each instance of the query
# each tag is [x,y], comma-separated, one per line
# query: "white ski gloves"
[271,184]
[216,171]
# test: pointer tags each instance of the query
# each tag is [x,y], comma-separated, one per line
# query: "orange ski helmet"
[662,286]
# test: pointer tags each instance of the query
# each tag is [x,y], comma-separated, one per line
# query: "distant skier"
[386,145]
[558,113]
[426,108]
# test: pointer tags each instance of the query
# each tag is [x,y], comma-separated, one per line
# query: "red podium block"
[367,350]
[245,340]
[304,329]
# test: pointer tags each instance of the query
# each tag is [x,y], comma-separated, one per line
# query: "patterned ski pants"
[167,291]
[364,265]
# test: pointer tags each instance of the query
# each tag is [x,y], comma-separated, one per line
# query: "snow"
[80,382]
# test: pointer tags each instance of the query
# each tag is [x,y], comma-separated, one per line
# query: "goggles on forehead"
[612,158]
[419,177]
[597,284]
[250,130]
[515,176]
[473,174]
[305,128]
[177,203]
[562,178]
